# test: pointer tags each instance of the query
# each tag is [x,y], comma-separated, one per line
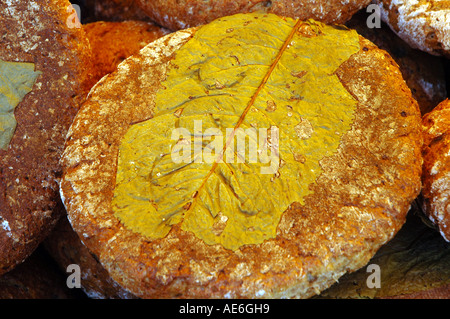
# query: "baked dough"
[356,205]
[413,265]
[423,24]
[176,15]
[40,32]
[436,168]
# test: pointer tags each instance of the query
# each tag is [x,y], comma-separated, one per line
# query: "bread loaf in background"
[176,15]
[423,24]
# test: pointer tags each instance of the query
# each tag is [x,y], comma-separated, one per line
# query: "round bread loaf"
[436,167]
[41,47]
[113,42]
[298,230]
[176,15]
[424,25]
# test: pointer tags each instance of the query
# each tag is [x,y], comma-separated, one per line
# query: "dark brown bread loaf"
[41,32]
[110,10]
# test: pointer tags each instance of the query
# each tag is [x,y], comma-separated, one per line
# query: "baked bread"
[113,42]
[423,73]
[37,36]
[356,203]
[424,25]
[176,15]
[436,167]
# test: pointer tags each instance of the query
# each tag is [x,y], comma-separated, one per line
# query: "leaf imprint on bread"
[16,81]
[231,91]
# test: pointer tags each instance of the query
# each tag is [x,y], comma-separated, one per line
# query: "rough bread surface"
[436,169]
[423,73]
[363,195]
[176,15]
[423,24]
[38,31]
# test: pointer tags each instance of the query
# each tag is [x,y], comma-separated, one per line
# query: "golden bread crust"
[436,167]
[413,265]
[358,204]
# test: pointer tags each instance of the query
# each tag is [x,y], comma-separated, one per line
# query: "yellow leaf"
[250,107]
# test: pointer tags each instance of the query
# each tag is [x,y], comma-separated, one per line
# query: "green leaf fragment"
[232,200]
[16,81]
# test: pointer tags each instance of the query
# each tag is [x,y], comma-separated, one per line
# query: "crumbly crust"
[176,15]
[423,24]
[436,167]
[36,31]
[423,73]
[363,195]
